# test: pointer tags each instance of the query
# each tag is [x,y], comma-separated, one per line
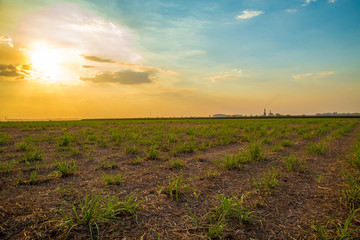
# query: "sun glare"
[46,63]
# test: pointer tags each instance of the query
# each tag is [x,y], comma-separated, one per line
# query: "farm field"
[291,178]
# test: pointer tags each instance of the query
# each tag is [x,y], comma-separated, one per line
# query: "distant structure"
[264,111]
[335,114]
[271,114]
[219,115]
[224,115]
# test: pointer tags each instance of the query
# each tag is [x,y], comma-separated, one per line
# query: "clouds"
[307,2]
[127,77]
[13,72]
[232,75]
[122,73]
[246,14]
[313,75]
[66,25]
[6,40]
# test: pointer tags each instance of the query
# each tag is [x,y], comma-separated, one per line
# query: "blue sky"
[294,56]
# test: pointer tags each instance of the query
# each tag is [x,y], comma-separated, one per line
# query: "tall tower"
[264,111]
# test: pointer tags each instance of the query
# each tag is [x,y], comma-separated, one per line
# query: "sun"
[46,63]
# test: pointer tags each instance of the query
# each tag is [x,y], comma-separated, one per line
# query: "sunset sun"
[46,63]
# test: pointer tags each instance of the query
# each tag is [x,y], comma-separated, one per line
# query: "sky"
[162,58]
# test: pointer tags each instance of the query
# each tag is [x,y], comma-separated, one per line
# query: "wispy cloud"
[292,10]
[129,66]
[313,75]
[67,25]
[307,2]
[98,59]
[6,40]
[14,72]
[124,73]
[232,75]
[126,77]
[246,14]
[332,1]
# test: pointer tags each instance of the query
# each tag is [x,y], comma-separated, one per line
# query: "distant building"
[264,111]
[219,115]
[271,114]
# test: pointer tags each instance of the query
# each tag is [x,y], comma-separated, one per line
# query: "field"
[274,178]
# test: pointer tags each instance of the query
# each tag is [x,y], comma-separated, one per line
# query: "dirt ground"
[288,211]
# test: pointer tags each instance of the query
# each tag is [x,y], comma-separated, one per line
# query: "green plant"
[210,173]
[153,154]
[286,143]
[267,181]
[177,163]
[137,160]
[35,155]
[7,167]
[255,152]
[316,148]
[32,179]
[106,164]
[277,148]
[67,192]
[291,163]
[116,179]
[4,138]
[192,217]
[95,210]
[132,149]
[66,168]
[230,161]
[24,145]
[343,231]
[351,192]
[176,187]
[228,208]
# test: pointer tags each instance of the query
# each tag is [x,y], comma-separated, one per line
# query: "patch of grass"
[33,179]
[176,187]
[106,164]
[255,152]
[66,168]
[177,163]
[34,155]
[65,140]
[265,140]
[67,192]
[351,192]
[4,139]
[95,210]
[227,209]
[267,181]
[153,154]
[7,167]
[24,145]
[286,143]
[291,163]
[185,147]
[277,148]
[132,149]
[343,230]
[316,148]
[115,179]
[230,161]
[210,173]
[137,160]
